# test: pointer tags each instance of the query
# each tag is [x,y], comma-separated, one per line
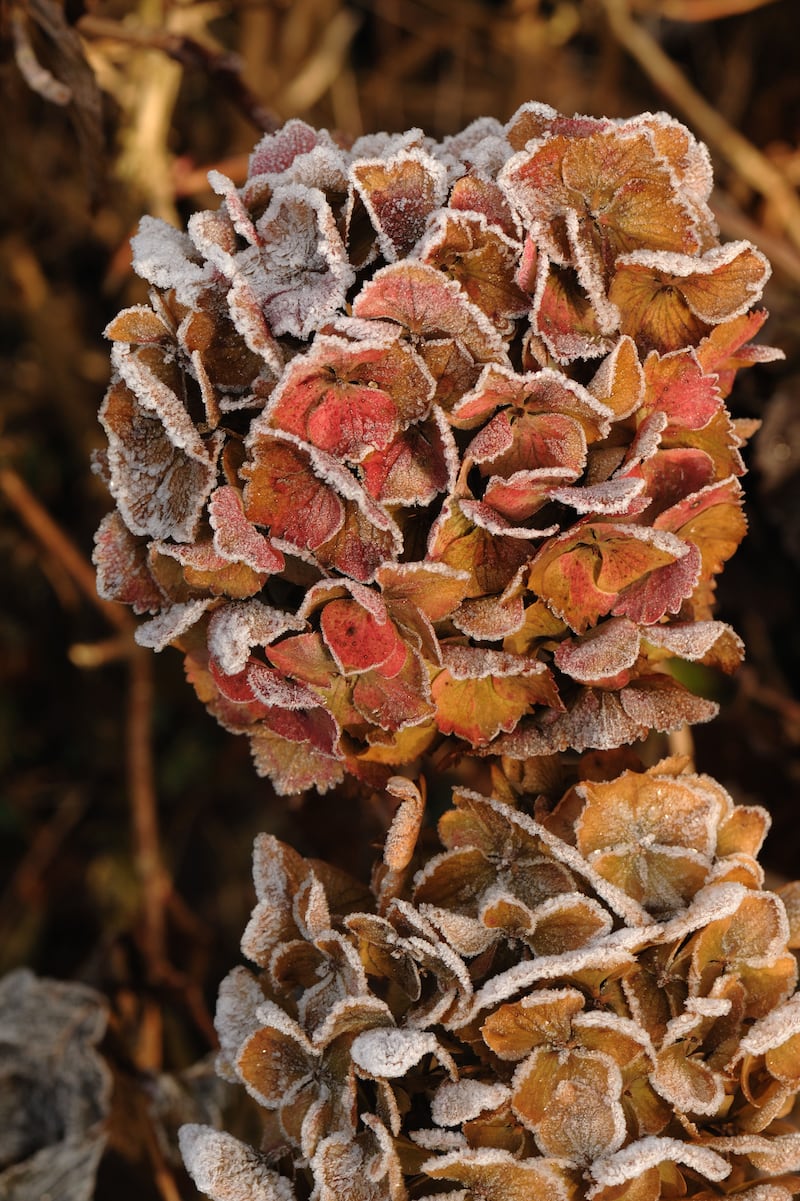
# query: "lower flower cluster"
[594,1002]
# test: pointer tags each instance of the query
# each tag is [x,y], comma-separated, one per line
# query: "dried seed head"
[453,413]
[610,1015]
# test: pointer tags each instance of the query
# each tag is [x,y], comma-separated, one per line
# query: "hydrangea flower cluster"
[594,1004]
[425,440]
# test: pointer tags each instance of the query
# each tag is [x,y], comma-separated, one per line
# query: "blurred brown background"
[111,109]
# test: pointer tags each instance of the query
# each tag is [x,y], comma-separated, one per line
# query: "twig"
[223,68]
[324,65]
[771,698]
[139,756]
[753,166]
[99,654]
[681,742]
[700,10]
[32,514]
[23,892]
[188,179]
[144,812]
[37,77]
[162,1174]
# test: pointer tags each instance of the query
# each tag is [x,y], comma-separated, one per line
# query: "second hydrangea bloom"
[425,440]
[595,1005]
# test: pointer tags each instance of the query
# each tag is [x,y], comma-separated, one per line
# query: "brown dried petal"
[480,692]
[278,1060]
[639,809]
[496,1175]
[426,304]
[542,1018]
[349,398]
[122,570]
[305,269]
[304,757]
[400,193]
[686,1082]
[668,301]
[482,260]
[360,1168]
[278,873]
[161,470]
[569,1100]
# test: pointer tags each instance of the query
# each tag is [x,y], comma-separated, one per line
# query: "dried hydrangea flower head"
[525,1014]
[425,440]
[54,1085]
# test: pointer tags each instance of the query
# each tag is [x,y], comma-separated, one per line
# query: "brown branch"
[681,742]
[787,708]
[223,68]
[23,892]
[140,773]
[735,224]
[163,1177]
[33,515]
[699,10]
[152,874]
[98,654]
[753,166]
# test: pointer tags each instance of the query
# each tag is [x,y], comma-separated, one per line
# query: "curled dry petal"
[399,194]
[227,1170]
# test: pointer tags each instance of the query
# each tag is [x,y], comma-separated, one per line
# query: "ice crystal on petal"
[426,304]
[636,1158]
[364,1168]
[170,624]
[165,257]
[234,629]
[227,1170]
[235,538]
[350,398]
[276,152]
[481,259]
[388,1053]
[669,300]
[122,571]
[616,187]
